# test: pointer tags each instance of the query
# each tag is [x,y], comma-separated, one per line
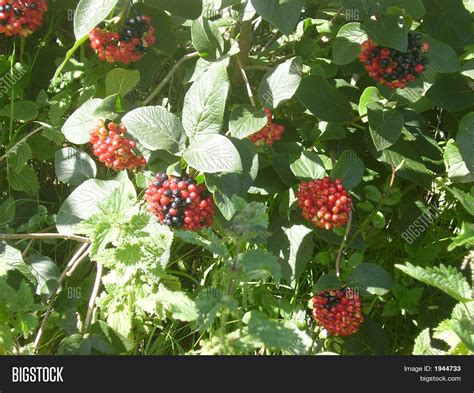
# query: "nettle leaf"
[204,103]
[466,199]
[452,93]
[464,238]
[207,39]
[309,166]
[7,211]
[465,140]
[388,30]
[385,125]
[210,242]
[371,278]
[422,344]
[89,13]
[259,264]
[284,14]
[179,304]
[77,127]
[46,274]
[346,46]
[212,154]
[74,166]
[350,168]
[22,110]
[121,81]
[370,95]
[156,128]
[280,84]
[446,278]
[245,121]
[19,156]
[26,180]
[323,100]
[189,9]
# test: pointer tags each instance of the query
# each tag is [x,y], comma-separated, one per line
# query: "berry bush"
[236,177]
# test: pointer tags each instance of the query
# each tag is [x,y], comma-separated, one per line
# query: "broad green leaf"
[371,278]
[75,344]
[210,242]
[451,93]
[179,305]
[465,140]
[385,125]
[422,345]
[156,128]
[465,236]
[9,257]
[46,274]
[7,211]
[350,168]
[280,84]
[370,95]
[121,81]
[388,30]
[204,103]
[245,121]
[457,169]
[309,166]
[189,9]
[442,57]
[462,323]
[468,67]
[208,304]
[77,127]
[19,156]
[414,8]
[446,278]
[258,264]
[346,46]
[89,13]
[326,282]
[22,110]
[207,39]
[284,14]
[323,100]
[108,341]
[74,166]
[212,154]
[466,199]
[25,180]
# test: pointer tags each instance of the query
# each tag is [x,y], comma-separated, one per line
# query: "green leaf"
[207,39]
[370,95]
[442,57]
[371,278]
[121,81]
[89,13]
[466,199]
[280,84]
[108,341]
[464,237]
[19,156]
[73,166]
[324,100]
[422,345]
[119,318]
[9,257]
[465,140]
[451,93]
[385,125]
[284,14]
[350,168]
[22,110]
[180,305]
[46,274]
[75,345]
[7,211]
[77,127]
[245,121]
[204,103]
[346,46]
[456,167]
[326,282]
[259,264]
[156,128]
[388,30]
[414,8]
[25,180]
[208,304]
[189,9]
[309,166]
[462,323]
[213,153]
[446,278]
[213,244]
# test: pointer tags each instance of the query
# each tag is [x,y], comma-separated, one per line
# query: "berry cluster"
[337,312]
[325,203]
[112,148]
[394,68]
[21,17]
[126,45]
[268,134]
[180,202]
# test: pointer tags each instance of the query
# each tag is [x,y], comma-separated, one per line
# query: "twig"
[25,236]
[343,243]
[9,151]
[79,254]
[258,68]
[246,80]
[27,248]
[168,77]
[73,268]
[95,291]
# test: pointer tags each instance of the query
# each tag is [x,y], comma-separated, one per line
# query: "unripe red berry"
[21,17]
[269,134]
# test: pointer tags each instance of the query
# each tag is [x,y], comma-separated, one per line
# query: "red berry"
[419,68]
[324,203]
[21,17]
[338,311]
[179,208]
[269,134]
[113,149]
[425,47]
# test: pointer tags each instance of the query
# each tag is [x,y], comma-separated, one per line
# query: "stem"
[170,74]
[24,236]
[9,151]
[246,81]
[78,262]
[343,243]
[231,286]
[245,44]
[95,291]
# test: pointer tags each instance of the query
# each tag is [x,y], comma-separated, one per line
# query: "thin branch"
[73,268]
[28,247]
[12,149]
[170,74]
[95,291]
[79,254]
[27,236]
[246,80]
[343,244]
